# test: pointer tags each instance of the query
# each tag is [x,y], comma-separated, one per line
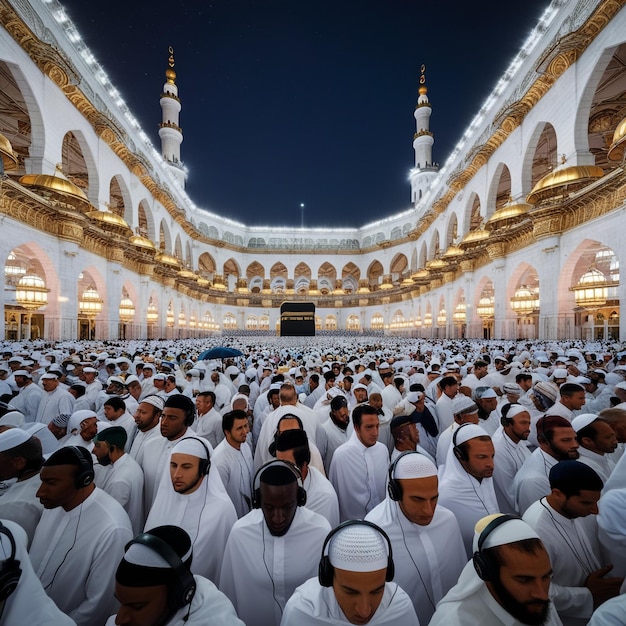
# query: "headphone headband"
[10,572]
[256,483]
[393,486]
[205,464]
[485,566]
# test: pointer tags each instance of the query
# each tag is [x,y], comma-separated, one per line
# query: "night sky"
[301,101]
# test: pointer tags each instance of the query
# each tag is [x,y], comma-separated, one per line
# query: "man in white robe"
[119,474]
[233,460]
[557,442]
[147,418]
[359,466]
[191,495]
[354,585]
[449,388]
[80,538]
[512,550]
[209,421]
[273,549]
[147,585]
[597,441]
[115,413]
[612,528]
[566,521]
[509,442]
[21,459]
[333,432]
[293,446]
[428,550]
[28,603]
[56,400]
[466,484]
[30,395]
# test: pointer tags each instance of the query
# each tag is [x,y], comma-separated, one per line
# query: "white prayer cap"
[82,414]
[12,418]
[508,532]
[194,373]
[49,376]
[22,373]
[559,373]
[462,405]
[621,385]
[191,446]
[232,370]
[358,548]
[116,379]
[414,396]
[90,370]
[140,554]
[358,386]
[154,400]
[582,380]
[468,431]
[583,420]
[414,465]
[513,388]
[516,409]
[148,366]
[131,379]
[483,393]
[11,438]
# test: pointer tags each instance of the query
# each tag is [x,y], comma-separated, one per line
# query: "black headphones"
[326,571]
[85,474]
[190,411]
[393,486]
[485,566]
[185,586]
[504,420]
[256,489]
[10,571]
[205,464]
[459,453]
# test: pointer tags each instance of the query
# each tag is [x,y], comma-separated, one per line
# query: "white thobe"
[468,498]
[236,469]
[391,397]
[206,515]
[260,571]
[321,497]
[612,529]
[574,551]
[509,458]
[469,603]
[444,412]
[209,426]
[598,462]
[28,604]
[53,403]
[428,559]
[532,479]
[610,613]
[617,480]
[328,438]
[314,605]
[209,606]
[75,554]
[20,505]
[124,481]
[358,474]
[27,401]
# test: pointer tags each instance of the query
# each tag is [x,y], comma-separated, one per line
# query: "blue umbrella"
[219,352]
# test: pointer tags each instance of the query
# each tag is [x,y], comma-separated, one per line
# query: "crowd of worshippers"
[410,483]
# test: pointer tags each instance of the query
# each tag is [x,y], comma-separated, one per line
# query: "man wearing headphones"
[179,413]
[193,497]
[512,450]
[507,581]
[354,583]
[155,586]
[428,549]
[272,549]
[80,537]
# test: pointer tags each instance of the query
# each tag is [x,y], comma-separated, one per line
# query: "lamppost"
[89,306]
[32,294]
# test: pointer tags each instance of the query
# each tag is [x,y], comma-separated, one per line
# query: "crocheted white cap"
[358,548]
[414,465]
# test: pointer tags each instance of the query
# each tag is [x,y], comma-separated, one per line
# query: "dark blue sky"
[290,101]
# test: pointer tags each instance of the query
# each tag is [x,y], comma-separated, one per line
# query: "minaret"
[170,132]
[425,170]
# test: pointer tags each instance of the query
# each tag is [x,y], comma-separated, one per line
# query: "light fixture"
[485,309]
[127,309]
[169,316]
[428,320]
[525,301]
[442,317]
[592,290]
[460,313]
[152,315]
[90,303]
[31,292]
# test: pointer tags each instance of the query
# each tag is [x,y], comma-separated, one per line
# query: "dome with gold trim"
[168,259]
[9,158]
[563,181]
[474,236]
[140,241]
[109,221]
[56,186]
[616,150]
[508,215]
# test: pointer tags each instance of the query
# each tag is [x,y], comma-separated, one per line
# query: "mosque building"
[519,234]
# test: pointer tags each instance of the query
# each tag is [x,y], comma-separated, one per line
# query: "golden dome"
[453,251]
[9,159]
[203,282]
[186,274]
[170,74]
[435,264]
[168,259]
[474,237]
[56,185]
[616,151]
[510,213]
[423,90]
[106,218]
[563,181]
[419,274]
[142,242]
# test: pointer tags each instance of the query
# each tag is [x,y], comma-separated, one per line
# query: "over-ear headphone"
[256,489]
[326,571]
[10,571]
[184,586]
[458,452]
[205,464]
[85,474]
[393,486]
[485,566]
[504,420]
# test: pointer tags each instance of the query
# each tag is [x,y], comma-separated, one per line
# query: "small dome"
[616,151]
[563,181]
[9,159]
[474,237]
[106,218]
[170,74]
[56,185]
[142,242]
[508,214]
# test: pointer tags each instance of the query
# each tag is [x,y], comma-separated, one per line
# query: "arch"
[499,189]
[435,246]
[302,270]
[145,221]
[330,322]
[78,164]
[353,323]
[423,256]
[119,199]
[327,271]
[398,266]
[540,157]
[471,216]
[165,238]
[231,268]
[252,322]
[452,231]
[377,321]
[374,272]
[178,249]
[255,269]
[229,321]
[278,269]
[206,266]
